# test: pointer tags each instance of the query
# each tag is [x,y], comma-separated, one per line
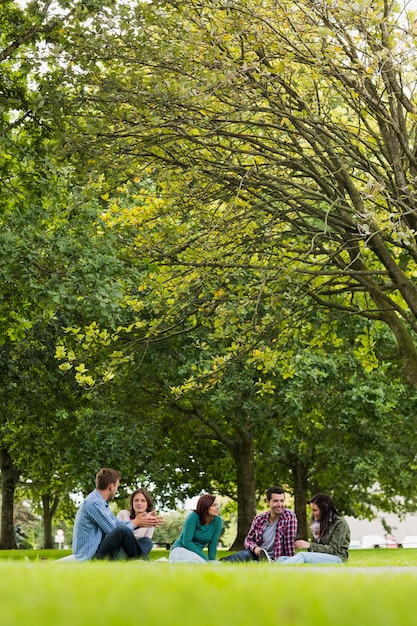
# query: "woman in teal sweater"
[201,528]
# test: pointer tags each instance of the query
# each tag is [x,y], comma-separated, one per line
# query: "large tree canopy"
[291,125]
[213,171]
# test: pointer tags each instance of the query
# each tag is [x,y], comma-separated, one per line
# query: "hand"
[159,521]
[257,551]
[300,543]
[148,520]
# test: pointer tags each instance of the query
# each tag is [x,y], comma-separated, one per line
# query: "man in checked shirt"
[98,534]
[272,534]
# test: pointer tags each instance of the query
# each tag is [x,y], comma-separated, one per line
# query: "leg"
[66,559]
[321,557]
[145,546]
[182,555]
[291,560]
[121,537]
[242,555]
[310,557]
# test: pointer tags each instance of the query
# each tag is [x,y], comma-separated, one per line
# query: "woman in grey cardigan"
[330,535]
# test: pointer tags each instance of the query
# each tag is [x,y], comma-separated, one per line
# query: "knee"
[123,530]
[145,544]
[146,541]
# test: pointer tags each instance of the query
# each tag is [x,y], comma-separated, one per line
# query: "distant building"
[400,528]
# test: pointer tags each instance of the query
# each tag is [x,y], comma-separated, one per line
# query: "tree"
[299,117]
[284,133]
[233,437]
[212,410]
[9,478]
[338,427]
[50,232]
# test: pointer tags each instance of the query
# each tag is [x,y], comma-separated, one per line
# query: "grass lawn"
[357,558]
[377,587]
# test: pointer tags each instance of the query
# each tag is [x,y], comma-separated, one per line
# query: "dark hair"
[327,509]
[203,505]
[272,490]
[105,477]
[148,499]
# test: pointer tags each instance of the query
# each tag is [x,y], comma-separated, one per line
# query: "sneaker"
[264,556]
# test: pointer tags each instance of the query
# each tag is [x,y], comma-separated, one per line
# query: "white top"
[124,516]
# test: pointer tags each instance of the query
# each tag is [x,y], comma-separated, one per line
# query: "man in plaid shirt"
[272,534]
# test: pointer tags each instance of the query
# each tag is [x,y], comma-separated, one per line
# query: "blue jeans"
[309,557]
[242,555]
[145,546]
[120,538]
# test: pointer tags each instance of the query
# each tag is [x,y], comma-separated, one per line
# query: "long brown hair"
[203,505]
[327,509]
[145,492]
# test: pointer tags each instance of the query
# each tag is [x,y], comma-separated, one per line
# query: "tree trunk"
[49,506]
[9,478]
[246,492]
[300,498]
[47,522]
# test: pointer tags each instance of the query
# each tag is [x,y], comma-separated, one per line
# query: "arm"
[289,532]
[140,531]
[143,532]
[188,531]
[212,546]
[334,541]
[149,521]
[254,537]
[123,515]
[101,515]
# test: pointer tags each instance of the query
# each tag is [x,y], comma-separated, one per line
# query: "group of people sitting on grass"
[98,534]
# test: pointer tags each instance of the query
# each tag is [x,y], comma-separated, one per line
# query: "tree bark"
[49,505]
[9,477]
[246,492]
[300,498]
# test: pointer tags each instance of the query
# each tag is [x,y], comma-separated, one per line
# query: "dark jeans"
[242,555]
[145,546]
[120,538]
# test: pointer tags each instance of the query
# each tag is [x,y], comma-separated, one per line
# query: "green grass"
[49,594]
[371,589]
[357,558]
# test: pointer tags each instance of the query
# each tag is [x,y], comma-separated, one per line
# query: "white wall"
[400,528]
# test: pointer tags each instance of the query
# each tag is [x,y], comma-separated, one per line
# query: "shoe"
[264,556]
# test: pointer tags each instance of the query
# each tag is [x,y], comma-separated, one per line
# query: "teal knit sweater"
[195,536]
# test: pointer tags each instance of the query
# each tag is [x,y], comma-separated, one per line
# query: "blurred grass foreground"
[376,587]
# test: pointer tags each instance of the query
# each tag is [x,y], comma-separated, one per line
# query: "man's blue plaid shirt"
[93,522]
